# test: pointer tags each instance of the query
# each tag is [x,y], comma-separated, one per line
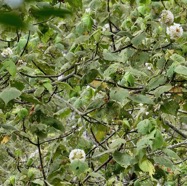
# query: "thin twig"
[69,105]
[26,44]
[121,86]
[110,26]
[102,142]
[41,70]
[99,144]
[60,137]
[100,167]
[41,161]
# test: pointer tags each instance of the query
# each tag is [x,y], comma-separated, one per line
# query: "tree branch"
[121,86]
[176,129]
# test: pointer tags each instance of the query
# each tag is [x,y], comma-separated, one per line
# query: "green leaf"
[89,77]
[110,56]
[170,153]
[17,84]
[39,129]
[160,90]
[177,58]
[9,94]
[141,99]
[146,141]
[96,175]
[38,182]
[147,166]
[137,183]
[78,167]
[103,153]
[85,25]
[123,159]
[21,44]
[11,19]
[112,69]
[158,141]
[75,3]
[39,91]
[182,70]
[87,21]
[137,40]
[63,112]
[11,67]
[156,82]
[170,107]
[117,142]
[129,79]
[23,113]
[64,86]
[145,127]
[163,161]
[48,86]
[97,103]
[118,94]
[29,98]
[8,127]
[53,122]
[48,11]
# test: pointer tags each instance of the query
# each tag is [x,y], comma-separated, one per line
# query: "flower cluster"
[167,17]
[77,154]
[6,52]
[175,31]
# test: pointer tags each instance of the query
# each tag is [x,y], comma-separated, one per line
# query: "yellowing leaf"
[147,166]
[5,139]
[97,84]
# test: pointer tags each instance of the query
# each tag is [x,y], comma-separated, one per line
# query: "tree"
[93,92]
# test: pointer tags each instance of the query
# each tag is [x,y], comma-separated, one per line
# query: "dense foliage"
[93,92]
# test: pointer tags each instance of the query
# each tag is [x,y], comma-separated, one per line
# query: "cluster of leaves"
[78,78]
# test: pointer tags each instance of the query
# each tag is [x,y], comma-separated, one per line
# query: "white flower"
[64,54]
[149,67]
[77,154]
[13,3]
[141,104]
[87,10]
[146,113]
[146,64]
[6,52]
[167,17]
[105,27]
[60,77]
[175,31]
